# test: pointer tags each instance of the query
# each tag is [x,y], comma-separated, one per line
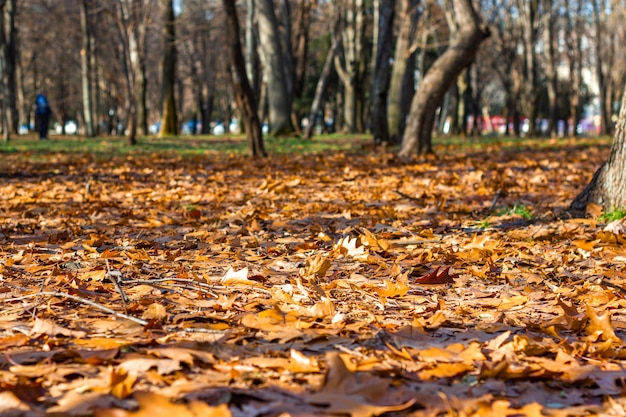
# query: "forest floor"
[157,283]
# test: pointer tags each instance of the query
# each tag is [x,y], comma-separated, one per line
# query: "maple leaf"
[436,277]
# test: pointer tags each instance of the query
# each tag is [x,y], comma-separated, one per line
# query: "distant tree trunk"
[462,86]
[529,9]
[604,62]
[4,83]
[244,95]
[132,16]
[275,70]
[8,43]
[300,56]
[550,70]
[574,46]
[395,115]
[608,185]
[169,122]
[385,10]
[85,61]
[250,54]
[350,64]
[322,83]
[440,77]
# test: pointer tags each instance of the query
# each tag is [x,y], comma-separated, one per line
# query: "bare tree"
[276,70]
[395,113]
[85,62]
[384,11]
[8,65]
[529,23]
[350,63]
[244,95]
[441,75]
[169,123]
[322,82]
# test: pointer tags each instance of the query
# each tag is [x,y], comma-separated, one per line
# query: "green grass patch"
[611,216]
[183,145]
[516,210]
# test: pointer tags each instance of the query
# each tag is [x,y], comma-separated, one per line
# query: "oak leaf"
[436,277]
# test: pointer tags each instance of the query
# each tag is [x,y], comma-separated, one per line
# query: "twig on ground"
[406,196]
[110,311]
[113,275]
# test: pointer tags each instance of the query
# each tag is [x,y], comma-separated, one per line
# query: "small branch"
[112,312]
[80,300]
[113,277]
[406,195]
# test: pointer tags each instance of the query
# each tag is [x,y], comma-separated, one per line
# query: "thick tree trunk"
[608,185]
[244,96]
[440,77]
[395,114]
[169,123]
[8,43]
[275,70]
[85,61]
[382,70]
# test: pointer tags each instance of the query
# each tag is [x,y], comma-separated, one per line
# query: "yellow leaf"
[155,311]
[599,326]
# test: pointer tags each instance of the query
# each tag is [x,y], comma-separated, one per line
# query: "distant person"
[42,115]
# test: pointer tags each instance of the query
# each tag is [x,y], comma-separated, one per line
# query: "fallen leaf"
[436,277]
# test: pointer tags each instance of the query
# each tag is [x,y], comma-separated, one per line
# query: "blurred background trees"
[137,67]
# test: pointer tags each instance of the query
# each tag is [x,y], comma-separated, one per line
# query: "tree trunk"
[322,83]
[603,64]
[350,64]
[528,9]
[440,77]
[395,115]
[550,70]
[244,95]
[275,70]
[608,185]
[300,55]
[169,123]
[382,69]
[9,52]
[85,61]
[250,50]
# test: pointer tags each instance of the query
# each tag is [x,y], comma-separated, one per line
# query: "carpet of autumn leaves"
[150,284]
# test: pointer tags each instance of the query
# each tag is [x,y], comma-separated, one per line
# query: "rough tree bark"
[395,115]
[608,185]
[244,96]
[275,70]
[383,42]
[8,52]
[440,77]
[85,61]
[169,123]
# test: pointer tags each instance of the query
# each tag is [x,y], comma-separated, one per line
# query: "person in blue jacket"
[42,115]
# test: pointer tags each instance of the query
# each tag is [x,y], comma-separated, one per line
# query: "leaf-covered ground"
[154,284]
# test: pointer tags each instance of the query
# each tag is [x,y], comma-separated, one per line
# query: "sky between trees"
[544,61]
